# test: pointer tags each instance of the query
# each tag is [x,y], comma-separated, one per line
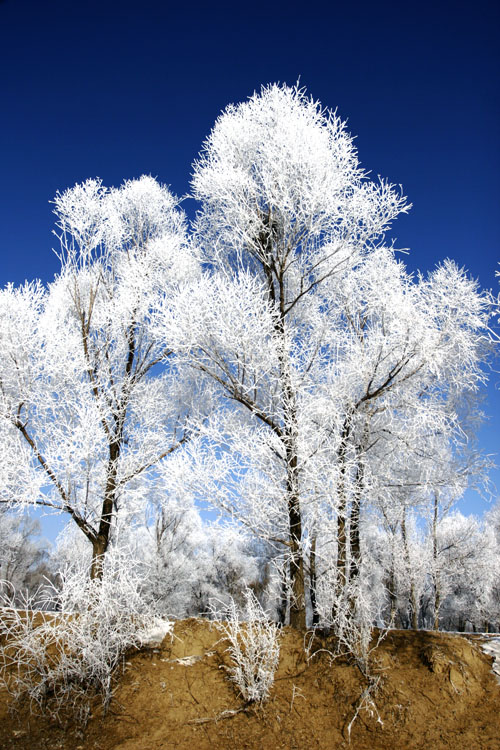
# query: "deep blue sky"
[118,89]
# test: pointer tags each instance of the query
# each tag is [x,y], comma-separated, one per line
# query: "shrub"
[253,647]
[61,661]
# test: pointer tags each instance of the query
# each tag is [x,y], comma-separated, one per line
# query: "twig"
[227,714]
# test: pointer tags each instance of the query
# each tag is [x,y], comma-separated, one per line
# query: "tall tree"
[285,202]
[408,353]
[379,362]
[91,398]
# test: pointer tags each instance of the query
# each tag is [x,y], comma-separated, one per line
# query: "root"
[366,702]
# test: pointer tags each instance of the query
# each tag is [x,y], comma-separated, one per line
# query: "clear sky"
[117,89]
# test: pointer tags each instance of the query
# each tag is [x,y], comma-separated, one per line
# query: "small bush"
[253,647]
[61,662]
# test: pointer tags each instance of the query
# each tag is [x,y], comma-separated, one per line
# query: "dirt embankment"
[435,691]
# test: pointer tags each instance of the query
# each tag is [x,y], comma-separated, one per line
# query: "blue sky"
[118,89]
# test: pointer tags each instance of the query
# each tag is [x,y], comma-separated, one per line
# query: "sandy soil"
[435,691]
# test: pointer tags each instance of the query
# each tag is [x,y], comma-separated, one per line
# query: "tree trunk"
[391,588]
[354,532]
[99,549]
[101,543]
[296,567]
[341,577]
[298,601]
[413,594]
[312,581]
[354,539]
[277,298]
[391,581]
[437,582]
[283,598]
[290,433]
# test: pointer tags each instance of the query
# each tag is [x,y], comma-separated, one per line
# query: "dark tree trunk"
[354,530]
[297,603]
[99,549]
[341,578]
[101,542]
[312,581]
[283,598]
[274,273]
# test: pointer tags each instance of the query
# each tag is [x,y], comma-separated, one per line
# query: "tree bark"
[99,549]
[297,603]
[277,298]
[413,594]
[354,533]
[312,582]
[101,543]
[283,597]
[341,566]
[391,587]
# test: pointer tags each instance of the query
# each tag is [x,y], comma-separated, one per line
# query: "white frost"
[492,648]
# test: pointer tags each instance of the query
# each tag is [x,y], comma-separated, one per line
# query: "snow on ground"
[492,648]
[153,636]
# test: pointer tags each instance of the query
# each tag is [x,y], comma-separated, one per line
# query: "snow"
[492,648]
[153,636]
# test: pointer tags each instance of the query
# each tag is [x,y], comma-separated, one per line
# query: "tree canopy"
[273,361]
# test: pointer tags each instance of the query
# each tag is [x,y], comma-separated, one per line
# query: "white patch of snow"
[187,661]
[492,648]
[154,635]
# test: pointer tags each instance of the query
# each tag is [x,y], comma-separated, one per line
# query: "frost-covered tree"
[467,564]
[334,387]
[389,426]
[492,528]
[23,554]
[91,397]
[285,210]
[380,377]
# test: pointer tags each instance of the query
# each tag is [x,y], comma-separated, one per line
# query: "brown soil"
[435,691]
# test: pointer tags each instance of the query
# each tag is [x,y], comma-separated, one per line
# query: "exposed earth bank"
[435,691]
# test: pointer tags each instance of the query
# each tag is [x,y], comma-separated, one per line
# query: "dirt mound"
[435,690]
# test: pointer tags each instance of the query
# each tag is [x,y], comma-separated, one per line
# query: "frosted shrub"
[61,662]
[253,647]
[350,616]
[353,625]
